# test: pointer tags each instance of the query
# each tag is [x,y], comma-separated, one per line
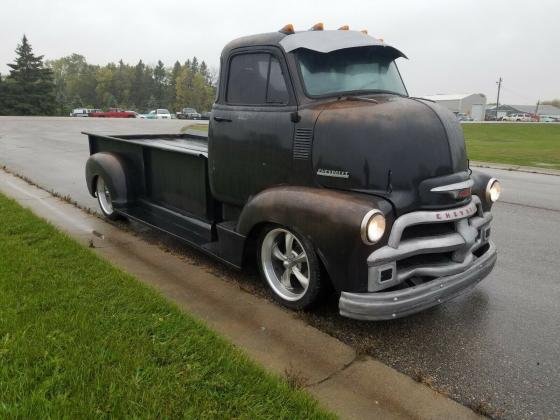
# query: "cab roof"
[320,41]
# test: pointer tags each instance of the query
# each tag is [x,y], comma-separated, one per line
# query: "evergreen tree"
[194,65]
[160,80]
[138,93]
[29,89]
[204,72]
[172,86]
[2,97]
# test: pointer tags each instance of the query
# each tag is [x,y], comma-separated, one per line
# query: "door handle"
[221,119]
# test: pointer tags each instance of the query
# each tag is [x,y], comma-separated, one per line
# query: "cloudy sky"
[453,46]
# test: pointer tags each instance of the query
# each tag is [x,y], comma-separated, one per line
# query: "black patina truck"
[319,164]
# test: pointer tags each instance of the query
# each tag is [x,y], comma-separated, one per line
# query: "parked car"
[205,116]
[463,117]
[188,114]
[82,112]
[518,117]
[158,114]
[332,182]
[547,118]
[113,113]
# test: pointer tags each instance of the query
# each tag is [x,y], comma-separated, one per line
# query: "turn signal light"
[317,27]
[287,29]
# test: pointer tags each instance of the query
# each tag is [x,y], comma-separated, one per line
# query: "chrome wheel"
[104,197]
[285,264]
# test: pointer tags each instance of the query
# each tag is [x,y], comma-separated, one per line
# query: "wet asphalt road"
[497,348]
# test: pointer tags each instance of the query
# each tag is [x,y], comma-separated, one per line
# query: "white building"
[473,104]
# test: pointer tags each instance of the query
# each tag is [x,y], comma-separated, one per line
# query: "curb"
[516,168]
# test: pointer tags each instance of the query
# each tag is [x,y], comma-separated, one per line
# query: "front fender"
[113,170]
[330,219]
[481,181]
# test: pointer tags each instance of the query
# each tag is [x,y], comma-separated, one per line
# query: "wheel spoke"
[276,253]
[300,258]
[303,280]
[286,278]
[289,239]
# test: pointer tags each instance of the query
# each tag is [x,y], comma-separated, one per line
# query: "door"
[251,131]
[476,112]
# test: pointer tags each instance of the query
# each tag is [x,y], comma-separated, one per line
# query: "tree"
[138,94]
[75,82]
[29,89]
[172,86]
[194,65]
[160,83]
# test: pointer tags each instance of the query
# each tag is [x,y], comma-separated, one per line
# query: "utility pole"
[499,82]
[537,107]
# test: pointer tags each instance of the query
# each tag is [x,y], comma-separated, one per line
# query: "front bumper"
[449,254]
[399,303]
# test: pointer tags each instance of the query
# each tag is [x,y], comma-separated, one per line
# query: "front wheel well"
[251,243]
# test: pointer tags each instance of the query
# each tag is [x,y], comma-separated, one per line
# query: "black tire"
[270,267]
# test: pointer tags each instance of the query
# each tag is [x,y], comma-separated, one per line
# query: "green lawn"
[516,143]
[81,339]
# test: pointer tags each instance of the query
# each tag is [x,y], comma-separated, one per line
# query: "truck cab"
[318,159]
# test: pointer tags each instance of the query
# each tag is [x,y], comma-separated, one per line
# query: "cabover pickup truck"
[320,165]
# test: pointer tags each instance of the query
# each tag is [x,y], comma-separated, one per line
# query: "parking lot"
[495,348]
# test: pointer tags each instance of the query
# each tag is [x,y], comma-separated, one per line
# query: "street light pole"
[499,82]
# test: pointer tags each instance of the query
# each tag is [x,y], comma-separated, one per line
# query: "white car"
[546,118]
[82,112]
[158,114]
[518,117]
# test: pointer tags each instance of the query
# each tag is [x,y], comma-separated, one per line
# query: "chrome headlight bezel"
[373,216]
[493,182]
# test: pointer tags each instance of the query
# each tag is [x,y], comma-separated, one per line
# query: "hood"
[387,146]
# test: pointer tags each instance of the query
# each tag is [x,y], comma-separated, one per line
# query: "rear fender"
[330,219]
[113,170]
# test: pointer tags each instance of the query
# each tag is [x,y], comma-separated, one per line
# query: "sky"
[453,46]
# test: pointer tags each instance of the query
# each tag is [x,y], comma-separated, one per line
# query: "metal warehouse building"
[473,104]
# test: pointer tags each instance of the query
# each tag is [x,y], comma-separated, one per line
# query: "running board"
[221,241]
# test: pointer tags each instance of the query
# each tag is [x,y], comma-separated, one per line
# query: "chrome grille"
[430,244]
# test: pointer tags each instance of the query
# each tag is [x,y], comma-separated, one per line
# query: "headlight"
[373,227]
[493,190]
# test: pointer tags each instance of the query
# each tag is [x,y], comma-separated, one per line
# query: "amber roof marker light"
[344,28]
[287,29]
[317,27]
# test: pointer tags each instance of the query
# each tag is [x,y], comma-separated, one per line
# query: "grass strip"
[523,144]
[81,339]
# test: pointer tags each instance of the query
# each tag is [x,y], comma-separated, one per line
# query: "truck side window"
[256,79]
[248,74]
[277,92]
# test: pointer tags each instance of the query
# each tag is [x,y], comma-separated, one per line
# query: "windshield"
[363,70]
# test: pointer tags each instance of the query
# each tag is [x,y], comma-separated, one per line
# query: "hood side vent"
[302,143]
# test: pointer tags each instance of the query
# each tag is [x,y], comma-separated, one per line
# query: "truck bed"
[188,143]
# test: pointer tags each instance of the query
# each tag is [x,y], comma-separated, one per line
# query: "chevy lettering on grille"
[455,214]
